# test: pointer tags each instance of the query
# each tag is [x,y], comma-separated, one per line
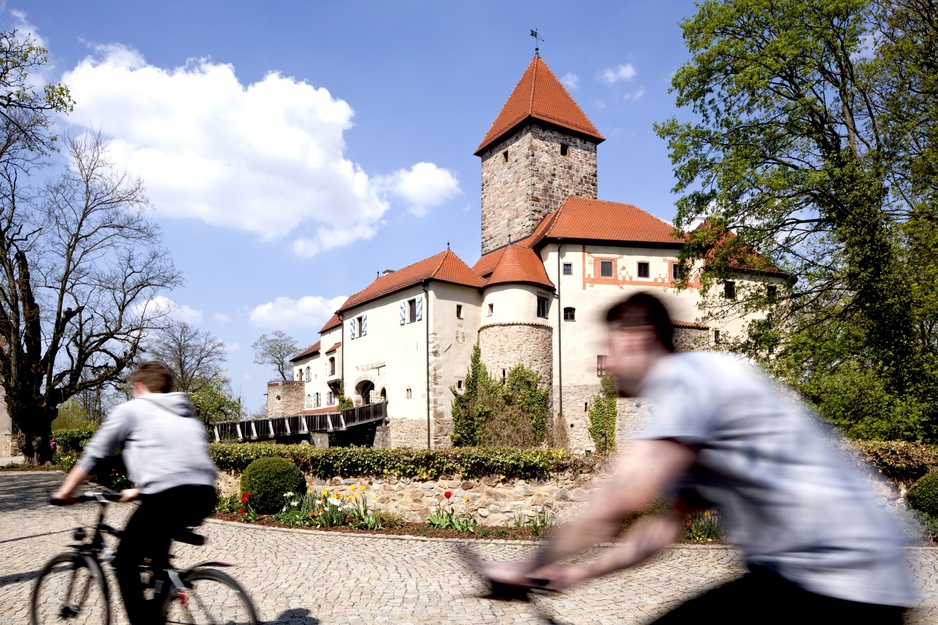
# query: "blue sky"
[294,149]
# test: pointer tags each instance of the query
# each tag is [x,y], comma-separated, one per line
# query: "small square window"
[563,149]
[716,337]
[569,313]
[600,365]
[459,311]
[542,306]
[678,271]
[729,289]
[458,385]
[409,393]
[644,270]
[568,269]
[606,269]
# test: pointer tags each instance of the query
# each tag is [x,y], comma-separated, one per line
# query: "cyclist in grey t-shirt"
[815,541]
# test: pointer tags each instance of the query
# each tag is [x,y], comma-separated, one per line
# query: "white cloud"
[266,158]
[570,80]
[423,186]
[310,312]
[612,75]
[162,305]
[635,95]
[221,317]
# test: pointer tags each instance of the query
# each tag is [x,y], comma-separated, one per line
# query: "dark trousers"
[764,597]
[148,535]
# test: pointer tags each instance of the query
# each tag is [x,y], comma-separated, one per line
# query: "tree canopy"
[79,260]
[813,140]
[276,349]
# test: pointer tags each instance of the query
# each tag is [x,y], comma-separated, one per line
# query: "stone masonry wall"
[284,398]
[525,177]
[504,345]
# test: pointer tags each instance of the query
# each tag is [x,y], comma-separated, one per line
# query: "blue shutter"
[364,325]
[403,312]
[351,329]
[419,309]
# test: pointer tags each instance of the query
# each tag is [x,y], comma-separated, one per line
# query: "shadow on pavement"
[20,491]
[298,616]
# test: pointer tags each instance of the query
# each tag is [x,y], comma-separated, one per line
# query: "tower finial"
[536,39]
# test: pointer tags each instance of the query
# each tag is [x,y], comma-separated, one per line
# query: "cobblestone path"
[301,577]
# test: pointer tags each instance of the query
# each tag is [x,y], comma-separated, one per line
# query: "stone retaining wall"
[491,500]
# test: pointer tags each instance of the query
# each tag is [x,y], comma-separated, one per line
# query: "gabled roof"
[333,322]
[444,267]
[540,96]
[306,353]
[586,219]
[333,348]
[513,264]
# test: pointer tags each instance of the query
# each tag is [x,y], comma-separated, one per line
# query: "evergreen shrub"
[923,495]
[268,480]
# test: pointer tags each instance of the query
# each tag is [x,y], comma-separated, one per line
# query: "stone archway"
[364,390]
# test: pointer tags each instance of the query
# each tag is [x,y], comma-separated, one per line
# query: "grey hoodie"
[165,444]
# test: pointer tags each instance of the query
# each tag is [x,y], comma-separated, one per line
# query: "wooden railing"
[298,425]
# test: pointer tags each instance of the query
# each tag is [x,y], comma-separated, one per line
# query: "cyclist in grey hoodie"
[167,457]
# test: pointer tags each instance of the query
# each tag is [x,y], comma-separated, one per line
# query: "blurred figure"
[167,457]
[815,542]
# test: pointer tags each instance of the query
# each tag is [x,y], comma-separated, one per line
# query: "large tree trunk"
[36,443]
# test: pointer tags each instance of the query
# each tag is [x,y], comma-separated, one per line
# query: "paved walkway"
[300,577]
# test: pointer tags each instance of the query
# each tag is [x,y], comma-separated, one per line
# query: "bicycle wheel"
[211,597]
[70,589]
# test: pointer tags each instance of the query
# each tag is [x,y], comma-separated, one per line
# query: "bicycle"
[498,591]
[72,587]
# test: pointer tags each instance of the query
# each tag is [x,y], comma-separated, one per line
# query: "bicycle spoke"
[67,591]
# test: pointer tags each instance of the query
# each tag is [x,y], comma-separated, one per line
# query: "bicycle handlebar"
[85,497]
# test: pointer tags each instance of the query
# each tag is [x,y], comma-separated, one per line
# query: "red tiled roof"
[539,95]
[690,325]
[444,267]
[513,264]
[333,348]
[600,220]
[333,322]
[309,351]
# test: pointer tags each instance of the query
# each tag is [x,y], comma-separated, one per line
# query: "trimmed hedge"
[923,495]
[465,462]
[268,480]
[901,462]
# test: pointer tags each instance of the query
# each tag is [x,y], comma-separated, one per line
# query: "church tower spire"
[540,150]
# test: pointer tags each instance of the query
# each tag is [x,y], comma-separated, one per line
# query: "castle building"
[554,259]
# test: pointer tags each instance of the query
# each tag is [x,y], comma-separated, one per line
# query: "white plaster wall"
[514,303]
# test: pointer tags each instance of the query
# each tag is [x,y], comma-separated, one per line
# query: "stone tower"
[540,150]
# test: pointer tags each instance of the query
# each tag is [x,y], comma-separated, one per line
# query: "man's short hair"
[644,309]
[153,375]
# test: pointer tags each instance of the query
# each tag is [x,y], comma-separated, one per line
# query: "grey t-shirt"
[789,501]
[165,445]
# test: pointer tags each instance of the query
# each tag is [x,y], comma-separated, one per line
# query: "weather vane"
[536,39]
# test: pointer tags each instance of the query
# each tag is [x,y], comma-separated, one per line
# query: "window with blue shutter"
[403,313]
[351,329]
[364,325]
[419,309]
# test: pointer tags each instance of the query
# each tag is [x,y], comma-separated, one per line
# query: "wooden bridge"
[299,424]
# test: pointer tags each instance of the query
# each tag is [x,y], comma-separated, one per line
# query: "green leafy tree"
[488,412]
[804,149]
[602,416]
[213,400]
